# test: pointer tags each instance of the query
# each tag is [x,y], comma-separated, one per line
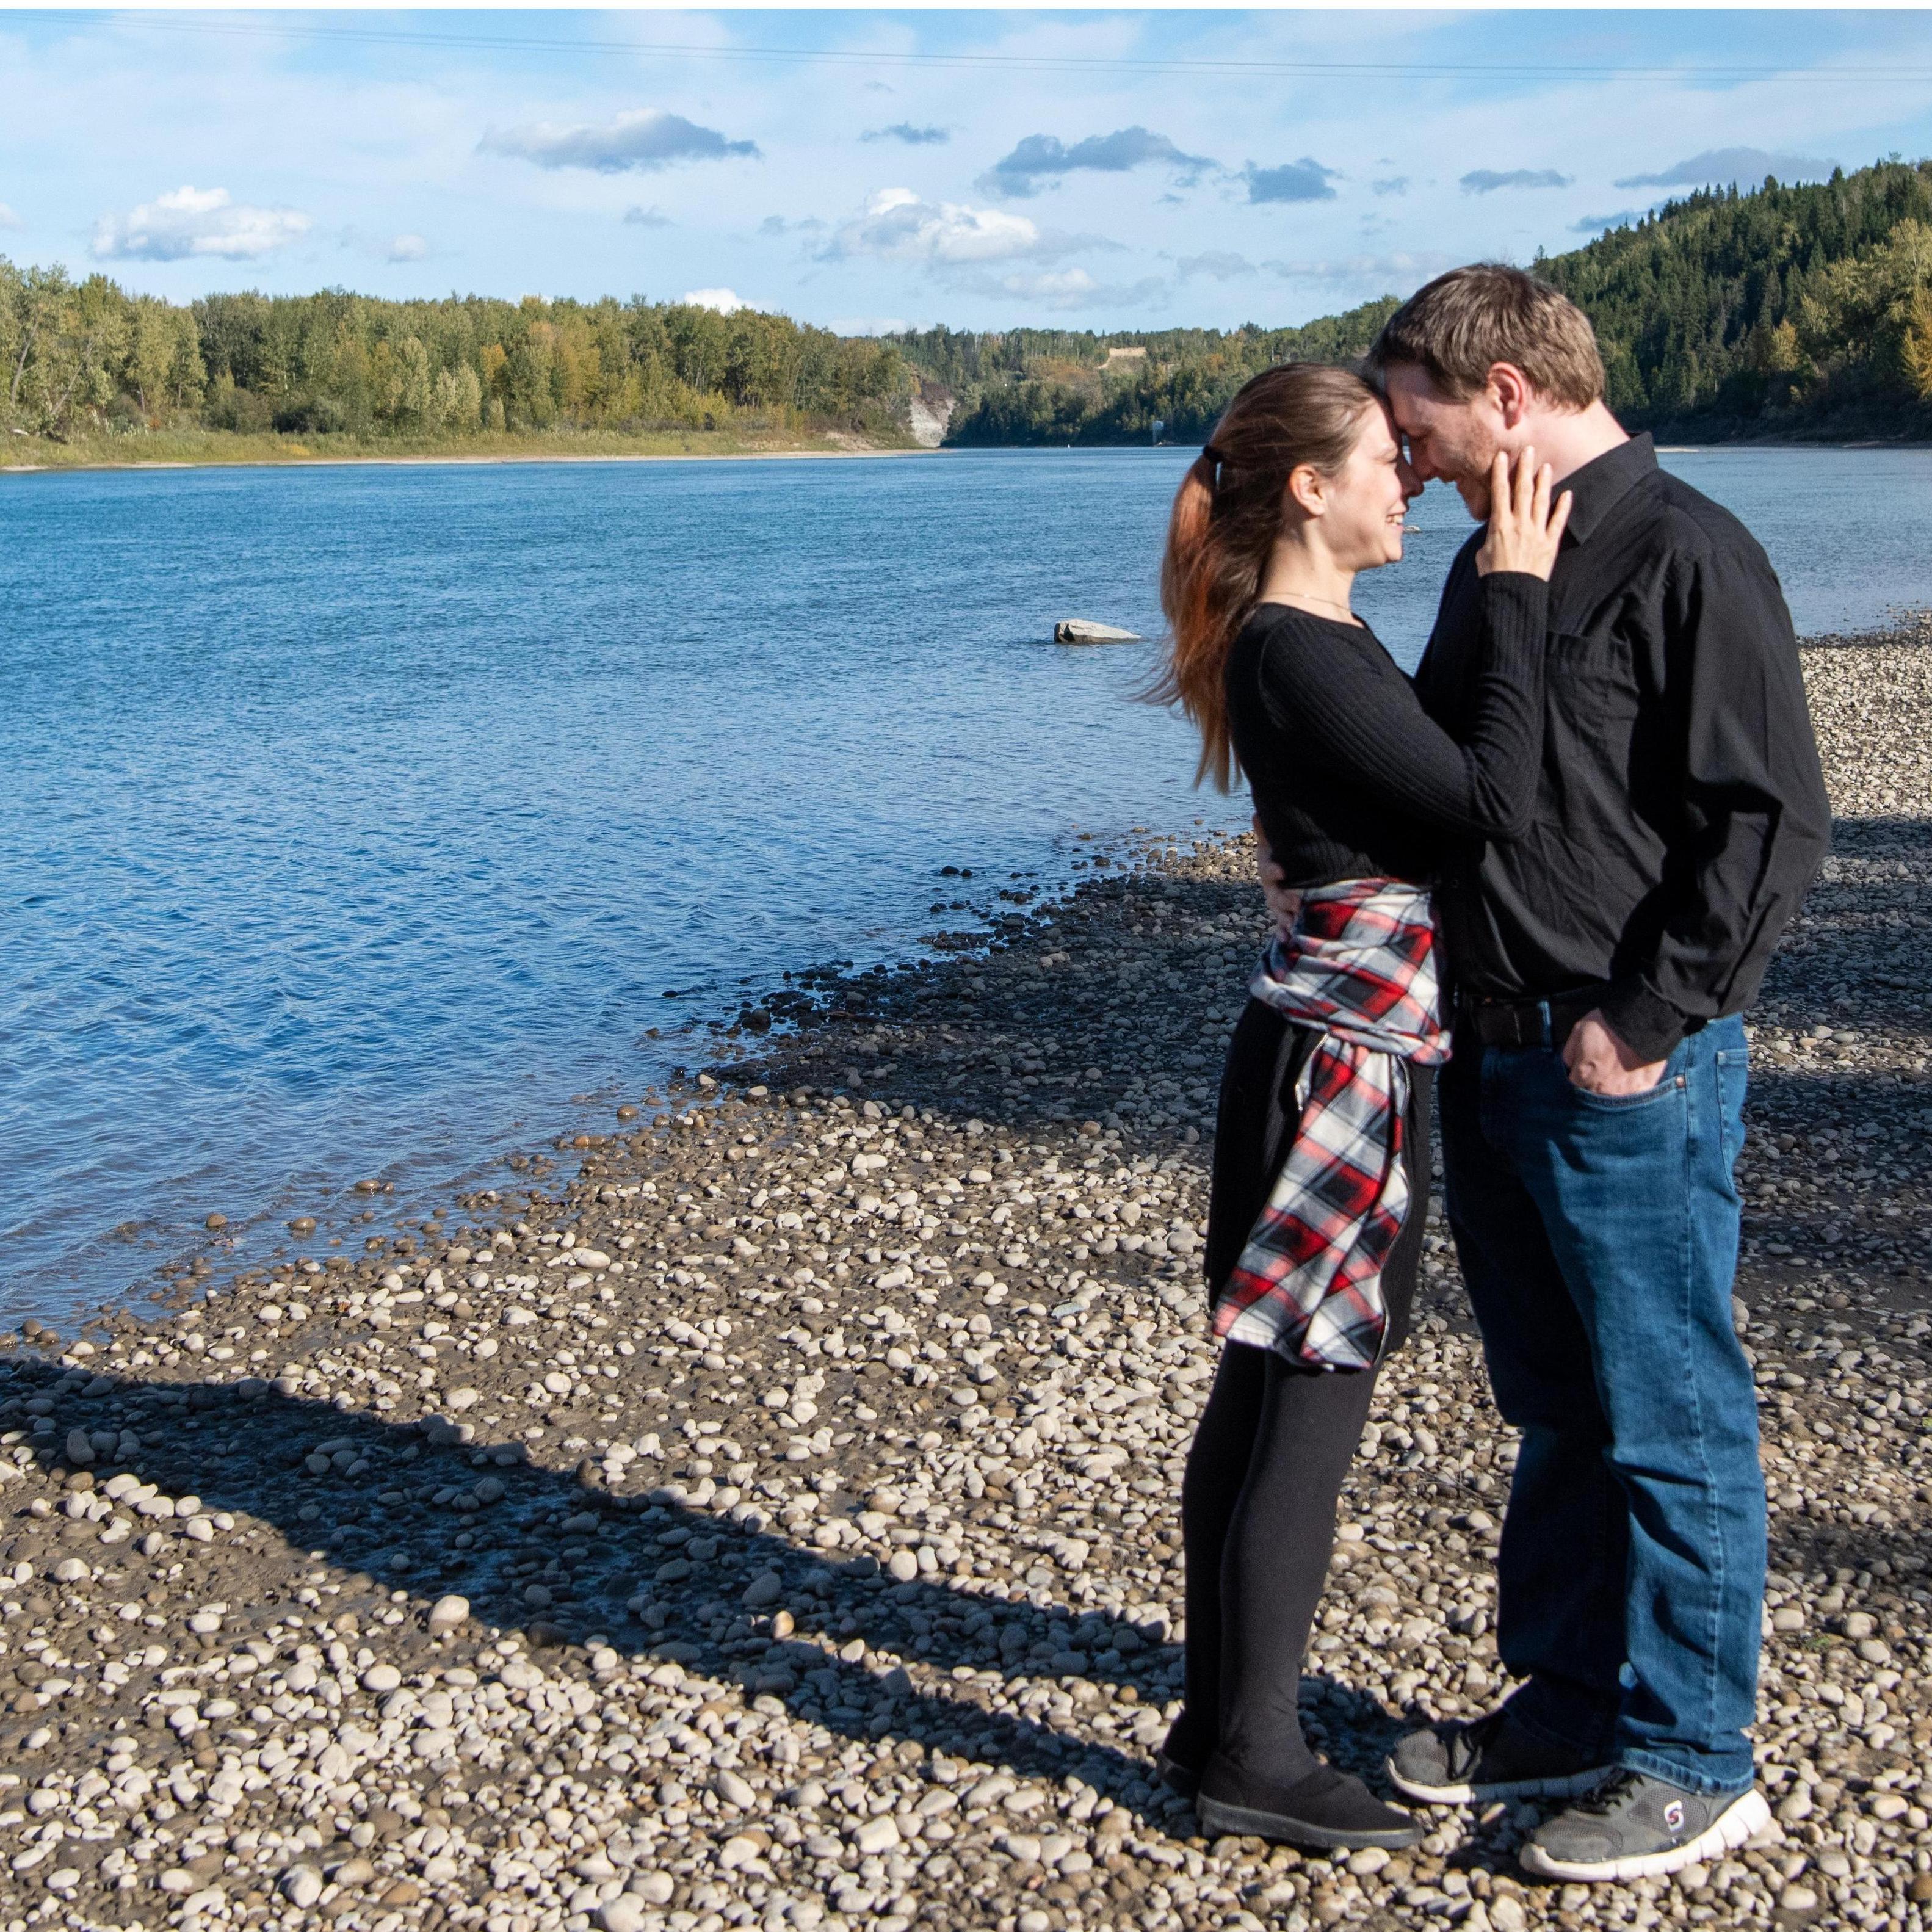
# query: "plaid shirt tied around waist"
[1359,968]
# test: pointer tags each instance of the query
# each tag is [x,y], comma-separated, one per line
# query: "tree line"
[1777,311]
[1036,386]
[1780,310]
[86,356]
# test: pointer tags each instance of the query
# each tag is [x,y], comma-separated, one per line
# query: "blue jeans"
[1599,1237]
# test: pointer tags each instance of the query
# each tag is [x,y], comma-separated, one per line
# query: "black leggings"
[1258,1502]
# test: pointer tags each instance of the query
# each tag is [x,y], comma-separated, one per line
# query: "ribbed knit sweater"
[1352,778]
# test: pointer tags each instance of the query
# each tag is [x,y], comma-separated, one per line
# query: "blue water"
[356,819]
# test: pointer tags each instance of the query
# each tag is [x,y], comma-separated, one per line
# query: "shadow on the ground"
[557,1559]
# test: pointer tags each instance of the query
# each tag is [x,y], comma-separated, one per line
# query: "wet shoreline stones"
[768,1515]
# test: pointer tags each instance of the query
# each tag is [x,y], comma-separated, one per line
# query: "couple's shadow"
[559,1558]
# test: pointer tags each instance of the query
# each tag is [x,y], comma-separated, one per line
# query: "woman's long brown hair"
[1227,514]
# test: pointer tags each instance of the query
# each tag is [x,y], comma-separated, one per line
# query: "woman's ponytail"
[1226,516]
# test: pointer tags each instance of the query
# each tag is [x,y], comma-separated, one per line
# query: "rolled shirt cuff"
[1643,1019]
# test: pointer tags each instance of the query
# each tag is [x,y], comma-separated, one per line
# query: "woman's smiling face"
[1369,497]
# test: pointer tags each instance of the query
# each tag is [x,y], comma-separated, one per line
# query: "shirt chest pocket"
[1592,704]
[1591,685]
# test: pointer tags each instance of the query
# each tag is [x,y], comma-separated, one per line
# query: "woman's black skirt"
[1253,1131]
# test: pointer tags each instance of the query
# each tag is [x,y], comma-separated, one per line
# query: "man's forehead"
[1413,398]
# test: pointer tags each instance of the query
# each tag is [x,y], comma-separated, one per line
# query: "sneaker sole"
[1731,1828]
[1235,1821]
[1574,1786]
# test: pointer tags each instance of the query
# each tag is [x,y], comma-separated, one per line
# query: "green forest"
[1785,311]
[1782,312]
[85,361]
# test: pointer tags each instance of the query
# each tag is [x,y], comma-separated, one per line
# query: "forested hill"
[1783,312]
[88,362]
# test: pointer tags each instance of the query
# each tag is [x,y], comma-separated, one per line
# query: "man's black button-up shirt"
[1681,812]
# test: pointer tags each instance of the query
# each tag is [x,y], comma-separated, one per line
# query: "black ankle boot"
[1326,1811]
[1182,1756]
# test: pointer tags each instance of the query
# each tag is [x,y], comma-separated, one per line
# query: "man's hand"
[1284,903]
[1600,1062]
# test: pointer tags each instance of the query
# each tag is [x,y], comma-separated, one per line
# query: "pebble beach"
[764,1512]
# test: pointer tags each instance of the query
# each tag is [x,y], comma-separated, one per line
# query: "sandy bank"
[269,459]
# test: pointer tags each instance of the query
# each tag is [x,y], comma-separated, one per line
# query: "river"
[358,818]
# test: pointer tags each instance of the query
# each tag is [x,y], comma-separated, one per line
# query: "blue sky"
[864,170]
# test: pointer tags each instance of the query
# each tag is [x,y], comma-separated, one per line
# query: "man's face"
[1456,441]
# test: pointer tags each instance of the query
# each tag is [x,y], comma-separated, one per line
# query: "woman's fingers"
[1526,517]
[1539,503]
[1525,483]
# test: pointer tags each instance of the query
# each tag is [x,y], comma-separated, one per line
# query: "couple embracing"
[1537,883]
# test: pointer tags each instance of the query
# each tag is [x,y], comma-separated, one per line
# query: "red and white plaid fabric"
[1360,968]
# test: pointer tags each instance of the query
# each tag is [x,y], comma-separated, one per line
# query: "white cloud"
[406,248]
[1398,274]
[1304,180]
[190,222]
[8,219]
[646,139]
[899,225]
[1486,180]
[726,302]
[1747,165]
[1598,224]
[647,217]
[1070,289]
[1223,264]
[1041,160]
[912,137]
[872,324]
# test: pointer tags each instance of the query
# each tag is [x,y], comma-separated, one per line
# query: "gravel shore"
[766,1514]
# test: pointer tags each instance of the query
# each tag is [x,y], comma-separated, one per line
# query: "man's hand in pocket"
[1600,1062]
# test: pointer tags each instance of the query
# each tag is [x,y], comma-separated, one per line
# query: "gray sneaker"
[1477,1763]
[1632,1826]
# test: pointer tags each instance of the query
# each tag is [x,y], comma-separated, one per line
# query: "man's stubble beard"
[1471,475]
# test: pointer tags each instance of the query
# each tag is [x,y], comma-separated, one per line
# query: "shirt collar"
[1603,482]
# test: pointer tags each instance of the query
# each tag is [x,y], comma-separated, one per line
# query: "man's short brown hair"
[1458,327]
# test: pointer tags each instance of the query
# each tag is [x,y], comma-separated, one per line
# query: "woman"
[1320,1182]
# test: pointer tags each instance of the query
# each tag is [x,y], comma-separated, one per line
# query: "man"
[1591,1112]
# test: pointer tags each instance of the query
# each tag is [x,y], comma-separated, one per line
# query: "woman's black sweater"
[1350,779]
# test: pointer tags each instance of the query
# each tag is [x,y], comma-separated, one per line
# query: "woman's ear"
[1307,490]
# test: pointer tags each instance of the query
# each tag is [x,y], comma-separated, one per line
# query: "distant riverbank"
[187,449]
[196,449]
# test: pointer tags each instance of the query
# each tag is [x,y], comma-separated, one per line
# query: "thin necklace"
[1305,597]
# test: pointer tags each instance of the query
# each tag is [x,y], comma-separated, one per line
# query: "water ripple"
[356,818]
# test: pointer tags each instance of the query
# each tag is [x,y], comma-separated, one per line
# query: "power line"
[1448,70]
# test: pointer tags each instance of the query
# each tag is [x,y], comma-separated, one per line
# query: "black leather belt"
[1526,1023]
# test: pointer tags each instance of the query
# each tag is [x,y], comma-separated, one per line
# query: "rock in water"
[1078,631]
